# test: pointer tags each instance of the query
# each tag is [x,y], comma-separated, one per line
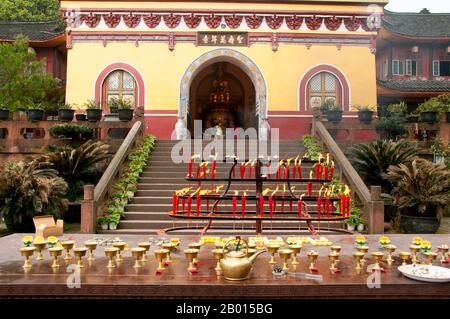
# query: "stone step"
[215,232]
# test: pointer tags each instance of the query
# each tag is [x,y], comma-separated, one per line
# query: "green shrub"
[69,130]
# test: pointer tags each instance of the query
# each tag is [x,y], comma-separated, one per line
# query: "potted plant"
[113,221]
[93,111]
[351,222]
[355,220]
[65,113]
[36,112]
[113,106]
[4,112]
[73,131]
[421,191]
[103,222]
[333,111]
[441,152]
[125,110]
[365,114]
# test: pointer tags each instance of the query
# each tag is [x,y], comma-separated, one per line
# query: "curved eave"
[52,42]
[383,91]
[388,34]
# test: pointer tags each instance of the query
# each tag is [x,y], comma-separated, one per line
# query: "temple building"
[261,64]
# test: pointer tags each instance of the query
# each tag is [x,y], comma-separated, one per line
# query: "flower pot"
[94,115]
[413,119]
[50,115]
[350,227]
[419,224]
[4,115]
[428,117]
[112,226]
[447,115]
[80,117]
[65,115]
[334,116]
[126,115]
[104,226]
[365,117]
[113,110]
[360,228]
[35,115]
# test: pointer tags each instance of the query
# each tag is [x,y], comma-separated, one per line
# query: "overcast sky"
[417,5]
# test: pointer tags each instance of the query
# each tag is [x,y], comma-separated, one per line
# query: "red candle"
[309,189]
[244,201]
[277,175]
[317,170]
[190,168]
[299,167]
[327,206]
[204,169]
[271,205]
[198,201]
[242,170]
[198,171]
[234,203]
[174,203]
[213,169]
[341,205]
[294,171]
[268,169]
[326,172]
[261,206]
[183,204]
[250,168]
[233,172]
[299,208]
[189,203]
[319,204]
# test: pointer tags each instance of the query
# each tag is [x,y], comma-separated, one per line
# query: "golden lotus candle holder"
[334,259]
[414,250]
[358,256]
[191,254]
[364,250]
[146,245]
[390,248]
[195,246]
[170,247]
[55,252]
[443,250]
[405,256]
[80,252]
[336,249]
[40,246]
[160,255]
[218,256]
[296,249]
[219,244]
[431,257]
[272,249]
[111,252]
[285,254]
[137,253]
[91,245]
[27,252]
[121,246]
[68,246]
[312,257]
[378,257]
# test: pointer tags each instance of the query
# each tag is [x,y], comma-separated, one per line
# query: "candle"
[198,171]
[319,203]
[261,206]
[244,201]
[279,170]
[175,203]
[326,172]
[250,168]
[347,201]
[327,204]
[189,203]
[310,184]
[317,170]
[242,170]
[299,208]
[198,201]
[271,205]
[190,168]
[300,169]
[341,205]
[234,203]
[294,169]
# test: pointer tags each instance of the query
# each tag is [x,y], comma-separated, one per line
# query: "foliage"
[29,188]
[312,148]
[440,149]
[420,184]
[66,106]
[22,82]
[79,166]
[365,108]
[120,104]
[69,130]
[126,186]
[355,218]
[92,105]
[439,104]
[328,105]
[391,123]
[29,10]
[372,160]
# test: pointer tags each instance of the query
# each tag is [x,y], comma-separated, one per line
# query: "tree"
[29,10]
[22,79]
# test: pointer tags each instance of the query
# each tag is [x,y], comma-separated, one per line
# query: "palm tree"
[372,160]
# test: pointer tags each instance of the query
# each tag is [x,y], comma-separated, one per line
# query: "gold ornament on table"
[378,256]
[285,254]
[390,248]
[121,247]
[430,256]
[27,252]
[55,252]
[40,246]
[170,247]
[160,255]
[414,250]
[111,252]
[91,245]
[27,241]
[67,245]
[218,256]
[137,253]
[80,252]
[197,246]
[296,249]
[334,258]
[358,256]
[146,245]
[405,256]
[272,249]
[191,255]
[364,250]
[443,250]
[336,249]
[312,257]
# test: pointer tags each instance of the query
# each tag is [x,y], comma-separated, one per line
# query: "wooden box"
[46,226]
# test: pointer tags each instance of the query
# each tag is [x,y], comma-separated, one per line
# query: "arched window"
[324,86]
[119,84]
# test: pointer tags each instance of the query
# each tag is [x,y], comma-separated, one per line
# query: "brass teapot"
[236,265]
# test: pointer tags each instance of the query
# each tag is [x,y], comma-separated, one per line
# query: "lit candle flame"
[218,188]
[236,193]
[276,190]
[195,193]
[347,190]
[328,159]
[310,174]
[332,163]
[195,156]
[296,160]
[267,190]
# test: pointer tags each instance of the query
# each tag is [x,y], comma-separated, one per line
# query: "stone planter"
[350,227]
[104,226]
[112,226]
[419,224]
[113,110]
[334,116]
[365,117]
[360,228]
[428,117]
[94,115]
[80,117]
[35,115]
[4,115]
[65,115]
[125,115]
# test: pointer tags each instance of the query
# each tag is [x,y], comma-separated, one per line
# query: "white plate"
[426,273]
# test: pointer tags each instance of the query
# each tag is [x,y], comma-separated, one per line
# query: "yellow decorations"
[52,241]
[322,241]
[39,239]
[384,240]
[209,240]
[175,241]
[425,246]
[361,241]
[417,241]
[27,241]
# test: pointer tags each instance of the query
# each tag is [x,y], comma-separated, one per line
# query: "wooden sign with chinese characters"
[230,39]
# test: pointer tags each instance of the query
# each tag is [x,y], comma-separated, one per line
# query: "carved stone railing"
[373,206]
[94,198]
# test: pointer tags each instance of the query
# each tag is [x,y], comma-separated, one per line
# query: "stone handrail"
[371,199]
[94,197]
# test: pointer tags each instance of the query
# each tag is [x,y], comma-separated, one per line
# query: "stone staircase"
[147,213]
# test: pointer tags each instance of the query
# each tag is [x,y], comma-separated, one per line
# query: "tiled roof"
[418,24]
[34,31]
[416,86]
